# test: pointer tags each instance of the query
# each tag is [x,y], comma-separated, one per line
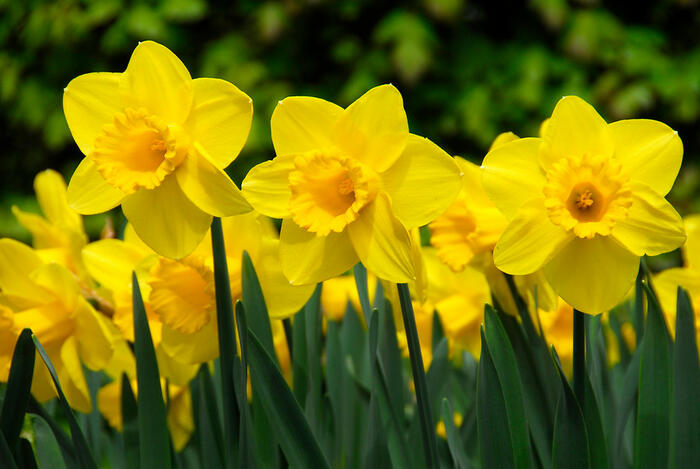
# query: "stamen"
[585,200]
[346,187]
[158,145]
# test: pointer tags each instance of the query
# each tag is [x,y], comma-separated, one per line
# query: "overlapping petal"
[592,275]
[93,336]
[301,123]
[89,102]
[50,189]
[156,79]
[307,258]
[529,240]
[374,129]
[88,193]
[512,174]
[652,225]
[266,187]
[382,242]
[209,187]
[649,150]
[166,220]
[111,262]
[412,180]
[220,119]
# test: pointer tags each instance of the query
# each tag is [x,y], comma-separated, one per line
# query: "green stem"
[579,356]
[227,340]
[425,413]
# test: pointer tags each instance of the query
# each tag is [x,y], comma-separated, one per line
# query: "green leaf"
[293,432]
[154,443]
[240,381]
[422,394]
[130,423]
[64,441]
[313,329]
[570,445]
[459,457]
[82,451]
[208,425]
[48,451]
[626,404]
[376,453]
[492,417]
[25,455]
[505,363]
[685,408]
[19,386]
[227,342]
[300,368]
[360,273]
[651,440]
[597,443]
[255,307]
[5,453]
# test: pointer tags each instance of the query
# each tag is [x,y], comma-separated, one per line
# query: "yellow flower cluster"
[568,214]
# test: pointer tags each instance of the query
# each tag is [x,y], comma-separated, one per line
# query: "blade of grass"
[685,407]
[154,439]
[293,432]
[19,385]
[82,451]
[414,351]
[130,423]
[459,457]
[227,343]
[651,440]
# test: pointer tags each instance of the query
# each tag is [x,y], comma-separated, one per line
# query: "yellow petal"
[175,371]
[200,347]
[301,123]
[50,189]
[282,299]
[180,420]
[503,138]
[70,375]
[17,262]
[529,240]
[220,119]
[652,225]
[209,187]
[412,180]
[89,102]
[374,129]
[512,174]
[592,275]
[691,249]
[649,150]
[266,187]
[88,192]
[109,403]
[666,286]
[58,280]
[93,336]
[166,220]
[382,243]
[111,262]
[307,258]
[158,81]
[44,234]
[42,386]
[575,128]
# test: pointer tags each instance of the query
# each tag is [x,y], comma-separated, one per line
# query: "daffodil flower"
[46,298]
[348,183]
[667,282]
[59,235]
[156,141]
[585,201]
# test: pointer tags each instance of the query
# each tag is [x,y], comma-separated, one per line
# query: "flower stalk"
[579,357]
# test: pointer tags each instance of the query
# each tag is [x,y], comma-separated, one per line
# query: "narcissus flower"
[667,282]
[585,201]
[156,141]
[46,298]
[59,235]
[348,183]
[338,292]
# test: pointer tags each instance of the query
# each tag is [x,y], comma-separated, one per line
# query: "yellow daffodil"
[557,329]
[156,141]
[667,282]
[585,201]
[348,183]
[46,298]
[58,235]
[179,412]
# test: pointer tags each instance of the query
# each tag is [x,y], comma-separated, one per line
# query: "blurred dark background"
[467,70]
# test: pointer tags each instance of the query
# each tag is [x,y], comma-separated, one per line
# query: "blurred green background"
[467,70]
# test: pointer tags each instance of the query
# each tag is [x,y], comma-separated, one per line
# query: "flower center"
[138,150]
[587,194]
[328,190]
[182,293]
